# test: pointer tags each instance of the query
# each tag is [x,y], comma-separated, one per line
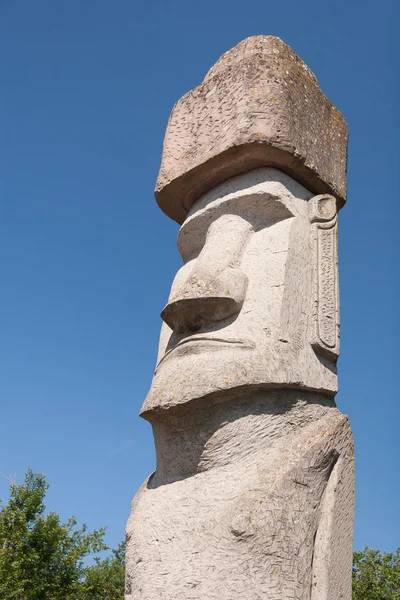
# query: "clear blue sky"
[87,258]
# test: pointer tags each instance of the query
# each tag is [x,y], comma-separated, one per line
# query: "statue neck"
[199,439]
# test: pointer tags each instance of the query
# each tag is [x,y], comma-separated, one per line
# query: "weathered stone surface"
[255,303]
[260,105]
[253,494]
[252,499]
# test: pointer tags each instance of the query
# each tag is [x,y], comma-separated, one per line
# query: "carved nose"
[200,303]
[216,287]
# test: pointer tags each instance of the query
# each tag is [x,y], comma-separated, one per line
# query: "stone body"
[252,499]
[253,494]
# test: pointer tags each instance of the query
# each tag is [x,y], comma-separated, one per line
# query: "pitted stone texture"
[252,499]
[260,105]
[255,303]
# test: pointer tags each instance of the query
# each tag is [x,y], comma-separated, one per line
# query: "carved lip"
[196,339]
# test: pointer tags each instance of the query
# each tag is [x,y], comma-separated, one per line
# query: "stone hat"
[259,105]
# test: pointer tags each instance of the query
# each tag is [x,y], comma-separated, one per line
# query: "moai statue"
[253,493]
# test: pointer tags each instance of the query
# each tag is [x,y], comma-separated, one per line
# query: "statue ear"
[325,321]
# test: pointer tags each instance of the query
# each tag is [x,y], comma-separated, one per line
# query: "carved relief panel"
[325,284]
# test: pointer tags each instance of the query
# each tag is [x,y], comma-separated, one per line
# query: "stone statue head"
[254,169]
[255,302]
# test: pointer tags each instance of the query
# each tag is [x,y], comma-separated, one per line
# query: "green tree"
[376,575]
[105,578]
[42,558]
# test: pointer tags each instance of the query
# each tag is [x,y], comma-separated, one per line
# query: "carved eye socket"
[260,210]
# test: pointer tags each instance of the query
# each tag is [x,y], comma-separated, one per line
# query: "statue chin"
[205,372]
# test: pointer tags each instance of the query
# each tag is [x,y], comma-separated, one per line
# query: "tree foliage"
[105,579]
[42,558]
[376,575]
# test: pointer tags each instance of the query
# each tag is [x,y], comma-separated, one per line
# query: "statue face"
[243,309]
